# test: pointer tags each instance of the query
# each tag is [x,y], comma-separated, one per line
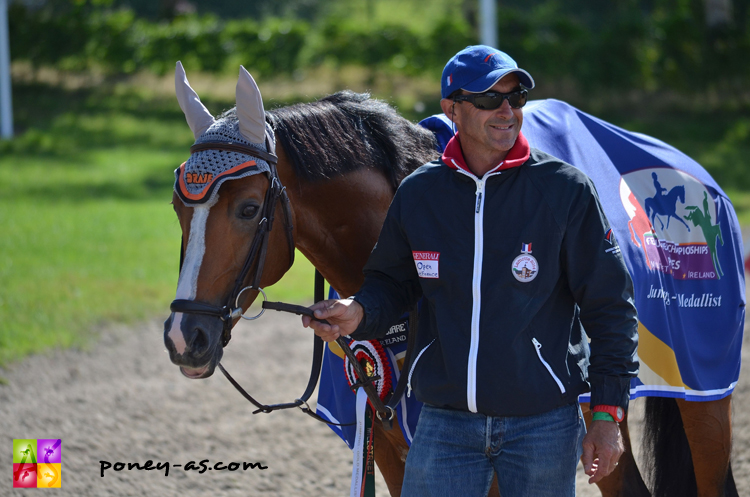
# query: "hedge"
[666,48]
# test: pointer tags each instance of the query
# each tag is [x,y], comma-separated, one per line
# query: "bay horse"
[340,160]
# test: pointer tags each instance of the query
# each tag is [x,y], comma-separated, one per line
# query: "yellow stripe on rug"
[658,361]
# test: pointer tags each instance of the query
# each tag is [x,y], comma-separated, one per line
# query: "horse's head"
[694,214]
[680,189]
[227,241]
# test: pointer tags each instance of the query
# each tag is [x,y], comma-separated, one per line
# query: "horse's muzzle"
[200,344]
[195,374]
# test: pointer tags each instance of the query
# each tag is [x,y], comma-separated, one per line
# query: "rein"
[256,259]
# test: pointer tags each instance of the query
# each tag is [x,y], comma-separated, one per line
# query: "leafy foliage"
[590,44]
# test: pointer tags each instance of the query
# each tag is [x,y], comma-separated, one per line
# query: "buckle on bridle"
[237,311]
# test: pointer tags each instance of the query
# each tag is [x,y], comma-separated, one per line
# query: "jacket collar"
[453,156]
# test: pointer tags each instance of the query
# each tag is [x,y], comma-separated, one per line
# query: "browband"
[235,147]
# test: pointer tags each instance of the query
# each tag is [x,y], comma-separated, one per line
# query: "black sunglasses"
[491,100]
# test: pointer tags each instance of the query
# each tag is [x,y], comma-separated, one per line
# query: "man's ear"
[449,108]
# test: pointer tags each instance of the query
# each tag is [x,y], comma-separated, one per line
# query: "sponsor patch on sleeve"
[427,264]
[609,237]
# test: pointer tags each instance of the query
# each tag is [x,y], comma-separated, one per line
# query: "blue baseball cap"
[477,68]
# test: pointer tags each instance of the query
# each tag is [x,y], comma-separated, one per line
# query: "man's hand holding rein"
[343,315]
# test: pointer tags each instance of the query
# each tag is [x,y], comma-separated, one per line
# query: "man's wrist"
[617,413]
[361,314]
[603,416]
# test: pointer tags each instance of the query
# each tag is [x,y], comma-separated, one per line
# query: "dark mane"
[347,131]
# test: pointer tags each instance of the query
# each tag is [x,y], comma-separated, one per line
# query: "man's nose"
[505,109]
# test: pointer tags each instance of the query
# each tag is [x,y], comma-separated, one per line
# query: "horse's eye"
[249,211]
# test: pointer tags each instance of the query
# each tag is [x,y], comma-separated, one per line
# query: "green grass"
[87,232]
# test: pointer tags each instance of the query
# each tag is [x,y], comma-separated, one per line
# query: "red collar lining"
[518,154]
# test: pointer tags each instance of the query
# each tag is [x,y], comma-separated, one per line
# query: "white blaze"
[188,283]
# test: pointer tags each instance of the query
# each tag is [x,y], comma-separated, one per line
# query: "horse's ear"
[250,108]
[196,114]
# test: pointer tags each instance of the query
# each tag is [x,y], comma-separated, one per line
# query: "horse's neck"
[338,222]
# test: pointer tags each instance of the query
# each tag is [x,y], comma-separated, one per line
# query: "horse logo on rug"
[664,204]
[652,198]
[710,231]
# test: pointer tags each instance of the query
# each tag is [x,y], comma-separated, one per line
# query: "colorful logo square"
[37,463]
[24,451]
[24,475]
[49,475]
[49,450]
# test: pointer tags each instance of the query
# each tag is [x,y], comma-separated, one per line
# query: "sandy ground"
[123,401]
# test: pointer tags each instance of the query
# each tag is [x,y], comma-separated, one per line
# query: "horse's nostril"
[200,341]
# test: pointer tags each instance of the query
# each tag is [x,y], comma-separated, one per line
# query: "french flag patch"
[449,79]
[427,264]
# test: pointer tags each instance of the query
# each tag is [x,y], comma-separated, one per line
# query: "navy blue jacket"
[512,267]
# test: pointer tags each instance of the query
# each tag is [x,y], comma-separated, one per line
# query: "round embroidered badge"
[371,355]
[525,268]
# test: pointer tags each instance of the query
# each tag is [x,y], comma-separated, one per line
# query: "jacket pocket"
[538,347]
[411,371]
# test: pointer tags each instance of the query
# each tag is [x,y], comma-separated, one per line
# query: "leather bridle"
[256,257]
[255,262]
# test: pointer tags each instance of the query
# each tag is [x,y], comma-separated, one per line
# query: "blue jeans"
[456,453]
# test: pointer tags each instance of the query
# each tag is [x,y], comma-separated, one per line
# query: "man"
[660,190]
[508,248]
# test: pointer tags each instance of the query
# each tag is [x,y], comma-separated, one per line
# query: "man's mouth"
[502,127]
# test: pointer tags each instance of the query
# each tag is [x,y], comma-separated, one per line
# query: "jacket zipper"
[471,376]
[411,371]
[476,285]
[538,347]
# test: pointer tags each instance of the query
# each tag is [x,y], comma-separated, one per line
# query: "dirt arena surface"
[123,401]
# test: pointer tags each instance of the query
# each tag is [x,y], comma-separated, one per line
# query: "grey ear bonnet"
[198,180]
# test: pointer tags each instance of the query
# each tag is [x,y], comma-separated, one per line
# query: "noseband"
[256,257]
